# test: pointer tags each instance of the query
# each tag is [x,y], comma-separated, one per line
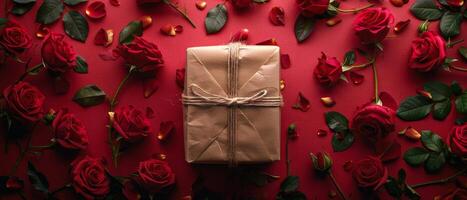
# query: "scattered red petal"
[411,133]
[285,61]
[388,150]
[240,36]
[146,21]
[333,21]
[276,16]
[149,112]
[114,2]
[282,84]
[149,87]
[166,129]
[201,5]
[178,29]
[302,103]
[397,3]
[401,25]
[271,41]
[348,165]
[180,77]
[104,37]
[42,32]
[159,156]
[107,56]
[61,85]
[356,78]
[424,93]
[169,30]
[388,100]
[96,10]
[328,101]
[321,133]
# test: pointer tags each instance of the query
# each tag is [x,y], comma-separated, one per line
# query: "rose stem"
[458,68]
[22,154]
[339,190]
[66,186]
[287,161]
[26,73]
[451,44]
[168,2]
[439,181]
[355,10]
[375,77]
[350,67]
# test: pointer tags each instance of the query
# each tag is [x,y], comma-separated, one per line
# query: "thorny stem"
[440,181]
[120,86]
[355,10]
[28,71]
[375,77]
[458,68]
[451,44]
[168,2]
[350,67]
[339,190]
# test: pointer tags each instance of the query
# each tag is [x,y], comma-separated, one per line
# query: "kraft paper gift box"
[232,104]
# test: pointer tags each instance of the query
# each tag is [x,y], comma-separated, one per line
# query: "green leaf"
[89,95]
[426,10]
[76,26]
[349,58]
[37,179]
[456,88]
[439,91]
[402,175]
[432,141]
[441,109]
[290,184]
[450,24]
[24,1]
[435,162]
[216,19]
[303,27]
[414,108]
[416,156]
[3,22]
[81,65]
[21,9]
[392,186]
[49,11]
[461,104]
[129,31]
[74,2]
[336,121]
[342,141]
[463,51]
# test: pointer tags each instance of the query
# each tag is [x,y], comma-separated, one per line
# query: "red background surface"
[395,78]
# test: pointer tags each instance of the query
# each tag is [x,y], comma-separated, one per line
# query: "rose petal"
[96,10]
[42,32]
[201,5]
[104,37]
[282,84]
[356,78]
[180,77]
[149,87]
[397,3]
[146,21]
[165,130]
[159,156]
[179,29]
[107,56]
[401,25]
[285,61]
[424,93]
[169,30]
[388,100]
[114,2]
[333,21]
[321,133]
[271,41]
[240,36]
[149,113]
[328,101]
[276,16]
[388,151]
[411,133]
[302,103]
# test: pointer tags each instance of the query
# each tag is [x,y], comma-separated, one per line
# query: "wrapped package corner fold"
[206,127]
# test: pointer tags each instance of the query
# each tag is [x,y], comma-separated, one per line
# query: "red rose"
[428,52]
[14,38]
[369,173]
[131,123]
[141,2]
[89,177]
[154,175]
[328,70]
[373,24]
[140,53]
[25,101]
[313,7]
[57,54]
[241,3]
[374,122]
[457,140]
[69,131]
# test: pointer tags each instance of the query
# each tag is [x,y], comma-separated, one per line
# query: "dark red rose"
[14,38]
[428,52]
[457,140]
[155,175]
[373,24]
[25,101]
[328,71]
[241,3]
[142,2]
[57,54]
[131,123]
[313,7]
[142,54]
[374,122]
[69,131]
[89,177]
[369,173]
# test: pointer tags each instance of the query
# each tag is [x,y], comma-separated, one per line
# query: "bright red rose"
[155,175]
[142,2]
[57,54]
[69,131]
[14,38]
[369,173]
[25,101]
[328,71]
[89,177]
[374,122]
[457,140]
[313,7]
[241,3]
[428,52]
[373,24]
[131,123]
[142,54]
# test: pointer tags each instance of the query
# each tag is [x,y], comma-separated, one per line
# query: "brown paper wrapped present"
[232,104]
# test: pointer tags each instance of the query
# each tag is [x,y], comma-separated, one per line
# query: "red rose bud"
[400,26]
[321,161]
[201,5]
[240,36]
[311,8]
[241,4]
[146,21]
[328,71]
[457,141]
[14,183]
[276,16]
[428,52]
[50,116]
[271,41]
[374,122]
[455,3]
[292,131]
[373,24]
[96,10]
